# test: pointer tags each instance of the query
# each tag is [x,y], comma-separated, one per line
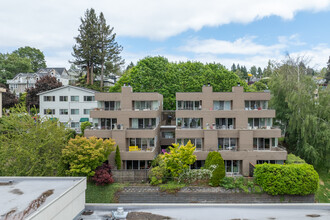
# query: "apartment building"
[133,120]
[238,124]
[71,105]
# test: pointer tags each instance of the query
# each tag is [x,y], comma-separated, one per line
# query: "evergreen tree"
[118,158]
[85,51]
[109,49]
[253,70]
[233,68]
[259,72]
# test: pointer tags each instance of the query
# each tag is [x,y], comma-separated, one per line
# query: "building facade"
[238,124]
[23,81]
[69,104]
[133,120]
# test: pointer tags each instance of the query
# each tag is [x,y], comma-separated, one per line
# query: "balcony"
[140,149]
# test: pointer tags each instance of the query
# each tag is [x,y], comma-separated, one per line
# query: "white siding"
[57,104]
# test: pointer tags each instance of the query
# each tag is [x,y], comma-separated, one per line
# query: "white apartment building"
[69,104]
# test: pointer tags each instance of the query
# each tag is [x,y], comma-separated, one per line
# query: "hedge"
[293,179]
[215,162]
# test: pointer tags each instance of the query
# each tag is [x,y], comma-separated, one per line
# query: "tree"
[29,146]
[303,112]
[43,84]
[179,158]
[103,175]
[36,57]
[109,49]
[8,98]
[259,72]
[85,51]
[83,155]
[233,68]
[327,75]
[84,125]
[253,70]
[11,65]
[157,74]
[118,158]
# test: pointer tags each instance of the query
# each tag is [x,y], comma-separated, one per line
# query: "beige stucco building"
[238,124]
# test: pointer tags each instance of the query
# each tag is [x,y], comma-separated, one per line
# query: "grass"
[102,194]
[322,195]
[171,187]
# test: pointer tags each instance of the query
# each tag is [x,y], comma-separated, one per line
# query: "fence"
[134,176]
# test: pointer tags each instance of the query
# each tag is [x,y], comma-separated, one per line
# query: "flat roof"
[18,193]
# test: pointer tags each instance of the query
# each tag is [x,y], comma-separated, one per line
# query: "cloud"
[243,45]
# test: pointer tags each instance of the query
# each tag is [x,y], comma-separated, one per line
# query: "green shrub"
[214,160]
[228,183]
[294,159]
[117,158]
[85,125]
[293,179]
[171,187]
[156,175]
[195,176]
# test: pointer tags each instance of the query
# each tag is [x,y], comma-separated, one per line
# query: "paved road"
[225,211]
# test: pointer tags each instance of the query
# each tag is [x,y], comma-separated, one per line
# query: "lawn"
[323,193]
[102,194]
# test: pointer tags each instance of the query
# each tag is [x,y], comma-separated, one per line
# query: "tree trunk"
[92,75]
[87,74]
[102,69]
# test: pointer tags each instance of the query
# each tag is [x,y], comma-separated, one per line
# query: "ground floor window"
[198,142]
[270,161]
[198,164]
[137,164]
[233,166]
[75,125]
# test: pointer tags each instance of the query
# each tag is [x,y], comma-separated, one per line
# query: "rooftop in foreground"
[23,197]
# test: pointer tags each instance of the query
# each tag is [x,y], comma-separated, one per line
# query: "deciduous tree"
[83,155]
[36,57]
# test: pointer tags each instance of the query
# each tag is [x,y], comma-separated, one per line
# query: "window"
[75,98]
[137,164]
[64,111]
[227,143]
[233,166]
[49,98]
[274,142]
[221,105]
[145,105]
[198,164]
[112,105]
[89,98]
[195,141]
[108,123]
[256,105]
[74,111]
[189,123]
[260,123]
[225,123]
[144,144]
[49,111]
[143,123]
[63,98]
[75,125]
[87,111]
[261,144]
[168,134]
[189,105]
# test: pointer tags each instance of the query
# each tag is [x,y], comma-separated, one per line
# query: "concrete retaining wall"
[208,197]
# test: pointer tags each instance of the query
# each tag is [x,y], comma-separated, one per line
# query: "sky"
[236,31]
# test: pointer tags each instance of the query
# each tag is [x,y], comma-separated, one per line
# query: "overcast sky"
[236,31]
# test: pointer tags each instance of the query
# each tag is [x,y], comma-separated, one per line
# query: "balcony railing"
[229,148]
[224,127]
[140,149]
